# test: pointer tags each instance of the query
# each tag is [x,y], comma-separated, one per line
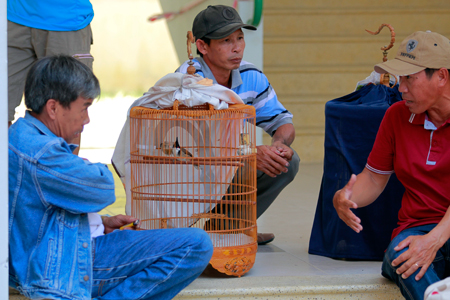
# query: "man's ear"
[51,108]
[201,46]
[443,76]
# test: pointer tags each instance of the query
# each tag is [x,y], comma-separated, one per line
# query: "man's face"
[70,121]
[225,53]
[418,91]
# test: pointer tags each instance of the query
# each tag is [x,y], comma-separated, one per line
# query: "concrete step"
[286,287]
[293,287]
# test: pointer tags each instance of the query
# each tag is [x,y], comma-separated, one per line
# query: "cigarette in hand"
[134,224]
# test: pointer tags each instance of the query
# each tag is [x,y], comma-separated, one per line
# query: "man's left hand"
[269,161]
[115,222]
[283,150]
[421,253]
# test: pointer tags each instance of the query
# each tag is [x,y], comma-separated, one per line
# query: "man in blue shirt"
[60,248]
[220,43]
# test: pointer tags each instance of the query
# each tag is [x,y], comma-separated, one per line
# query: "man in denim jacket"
[59,247]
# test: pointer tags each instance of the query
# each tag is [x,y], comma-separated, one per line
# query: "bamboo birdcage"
[196,167]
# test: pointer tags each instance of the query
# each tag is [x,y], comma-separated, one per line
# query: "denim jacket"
[50,193]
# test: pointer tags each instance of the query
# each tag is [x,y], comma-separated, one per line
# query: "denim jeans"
[439,269]
[148,264]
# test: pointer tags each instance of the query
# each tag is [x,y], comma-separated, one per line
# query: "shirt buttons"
[85,245]
[86,278]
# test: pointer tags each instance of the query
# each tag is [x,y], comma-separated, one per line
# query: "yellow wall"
[317,50]
[130,53]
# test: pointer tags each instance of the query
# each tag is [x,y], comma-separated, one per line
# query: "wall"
[317,50]
[130,53]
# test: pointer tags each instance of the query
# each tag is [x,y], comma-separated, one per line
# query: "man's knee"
[392,254]
[201,242]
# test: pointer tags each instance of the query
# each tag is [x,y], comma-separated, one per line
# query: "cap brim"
[397,67]
[227,30]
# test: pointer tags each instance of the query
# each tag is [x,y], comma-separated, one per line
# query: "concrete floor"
[290,218]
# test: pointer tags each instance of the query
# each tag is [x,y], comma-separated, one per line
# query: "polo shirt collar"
[417,119]
[236,79]
[422,119]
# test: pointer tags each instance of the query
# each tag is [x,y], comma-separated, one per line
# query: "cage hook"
[384,78]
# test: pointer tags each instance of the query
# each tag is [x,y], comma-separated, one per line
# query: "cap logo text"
[410,56]
[412,44]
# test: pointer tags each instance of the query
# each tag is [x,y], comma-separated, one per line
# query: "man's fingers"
[349,217]
[343,206]
[269,172]
[421,273]
[273,167]
[405,243]
[399,260]
[408,269]
[269,162]
[355,226]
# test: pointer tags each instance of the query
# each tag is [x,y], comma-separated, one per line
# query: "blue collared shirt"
[50,192]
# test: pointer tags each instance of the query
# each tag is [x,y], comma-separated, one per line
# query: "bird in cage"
[174,149]
[168,148]
[180,151]
[244,147]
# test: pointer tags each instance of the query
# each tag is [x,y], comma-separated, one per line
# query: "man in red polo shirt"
[413,141]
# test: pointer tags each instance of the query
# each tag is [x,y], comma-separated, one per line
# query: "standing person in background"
[220,43]
[42,28]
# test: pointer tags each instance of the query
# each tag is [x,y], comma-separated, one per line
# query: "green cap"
[217,21]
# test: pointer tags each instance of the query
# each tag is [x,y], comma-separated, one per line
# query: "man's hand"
[420,255]
[343,204]
[283,150]
[115,222]
[270,160]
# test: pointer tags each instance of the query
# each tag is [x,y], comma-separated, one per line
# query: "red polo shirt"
[419,153]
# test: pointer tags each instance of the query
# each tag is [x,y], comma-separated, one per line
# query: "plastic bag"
[374,78]
[439,290]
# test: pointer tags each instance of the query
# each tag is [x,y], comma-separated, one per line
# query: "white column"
[3,155]
[253,47]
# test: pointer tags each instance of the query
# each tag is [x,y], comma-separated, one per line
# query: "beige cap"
[417,52]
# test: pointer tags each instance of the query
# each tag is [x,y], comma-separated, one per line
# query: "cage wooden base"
[234,261]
